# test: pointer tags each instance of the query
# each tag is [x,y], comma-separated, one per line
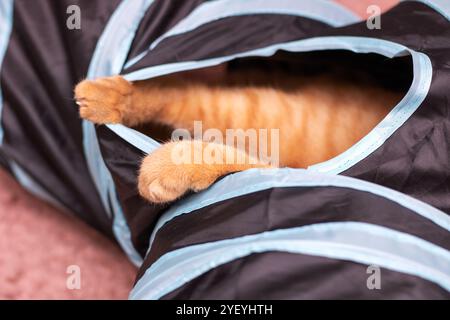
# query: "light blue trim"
[255,180]
[33,187]
[368,144]
[108,59]
[6,21]
[356,44]
[423,72]
[441,6]
[139,139]
[352,241]
[325,11]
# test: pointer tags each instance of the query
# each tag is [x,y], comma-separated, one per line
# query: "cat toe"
[161,191]
[158,193]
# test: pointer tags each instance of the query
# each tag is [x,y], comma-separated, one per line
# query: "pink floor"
[38,243]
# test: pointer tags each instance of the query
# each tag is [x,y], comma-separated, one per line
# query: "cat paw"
[162,189]
[161,179]
[160,182]
[103,100]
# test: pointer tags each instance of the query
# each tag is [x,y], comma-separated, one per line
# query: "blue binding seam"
[350,241]
[255,180]
[108,59]
[328,12]
[423,73]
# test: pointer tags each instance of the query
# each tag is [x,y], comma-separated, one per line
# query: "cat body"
[316,118]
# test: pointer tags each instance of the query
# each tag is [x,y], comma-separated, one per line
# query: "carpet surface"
[39,244]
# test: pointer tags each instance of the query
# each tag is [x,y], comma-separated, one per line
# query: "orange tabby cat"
[317,117]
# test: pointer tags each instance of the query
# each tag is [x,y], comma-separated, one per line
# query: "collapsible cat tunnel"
[379,209]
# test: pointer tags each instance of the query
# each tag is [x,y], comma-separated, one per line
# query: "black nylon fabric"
[229,36]
[295,276]
[43,62]
[161,16]
[123,162]
[282,208]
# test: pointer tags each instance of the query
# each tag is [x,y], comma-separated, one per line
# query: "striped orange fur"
[318,117]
